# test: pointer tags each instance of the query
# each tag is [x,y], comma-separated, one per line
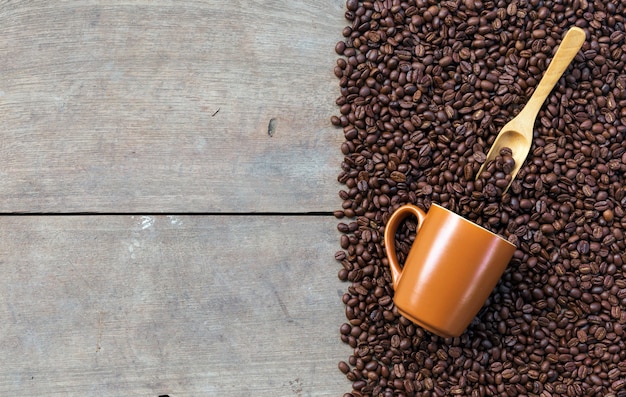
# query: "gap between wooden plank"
[238,214]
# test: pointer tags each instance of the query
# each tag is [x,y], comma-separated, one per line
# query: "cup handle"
[390,236]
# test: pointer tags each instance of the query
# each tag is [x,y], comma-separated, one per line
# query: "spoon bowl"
[513,139]
[517,134]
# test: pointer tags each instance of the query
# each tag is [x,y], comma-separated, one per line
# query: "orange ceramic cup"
[451,269]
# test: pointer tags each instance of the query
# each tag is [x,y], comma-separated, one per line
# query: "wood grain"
[164,106]
[176,305]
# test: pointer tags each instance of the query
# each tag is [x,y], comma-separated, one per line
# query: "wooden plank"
[164,106]
[176,305]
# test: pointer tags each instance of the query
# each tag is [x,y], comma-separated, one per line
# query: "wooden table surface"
[167,181]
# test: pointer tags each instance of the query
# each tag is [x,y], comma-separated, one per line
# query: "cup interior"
[463,219]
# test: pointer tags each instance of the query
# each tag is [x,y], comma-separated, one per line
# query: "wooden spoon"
[517,134]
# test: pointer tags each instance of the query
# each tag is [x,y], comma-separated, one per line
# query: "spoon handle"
[571,43]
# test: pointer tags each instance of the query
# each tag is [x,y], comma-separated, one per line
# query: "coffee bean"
[618,384]
[424,90]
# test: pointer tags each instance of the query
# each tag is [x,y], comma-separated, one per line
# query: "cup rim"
[474,224]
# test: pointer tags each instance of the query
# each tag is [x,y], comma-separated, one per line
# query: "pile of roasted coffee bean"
[425,88]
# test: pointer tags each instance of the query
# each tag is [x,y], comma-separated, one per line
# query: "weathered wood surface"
[164,106]
[176,305]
